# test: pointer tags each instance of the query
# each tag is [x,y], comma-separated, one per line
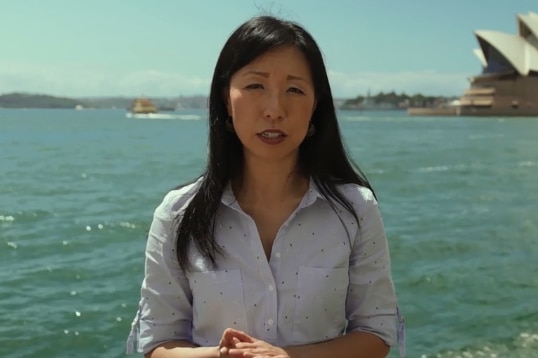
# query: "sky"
[168,48]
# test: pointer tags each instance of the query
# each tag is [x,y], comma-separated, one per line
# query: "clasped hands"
[238,344]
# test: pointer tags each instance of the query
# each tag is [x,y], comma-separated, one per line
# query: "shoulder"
[362,200]
[175,201]
[359,196]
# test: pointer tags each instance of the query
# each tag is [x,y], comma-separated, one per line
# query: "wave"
[185,117]
[468,166]
[485,136]
[439,168]
[356,118]
[525,345]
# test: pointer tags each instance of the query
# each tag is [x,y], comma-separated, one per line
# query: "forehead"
[285,58]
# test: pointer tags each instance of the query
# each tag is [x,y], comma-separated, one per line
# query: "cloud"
[425,82]
[79,81]
[154,82]
[85,80]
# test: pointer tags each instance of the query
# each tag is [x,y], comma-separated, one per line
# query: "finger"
[242,336]
[236,352]
[227,338]
[245,345]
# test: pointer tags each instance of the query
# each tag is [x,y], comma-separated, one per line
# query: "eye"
[254,86]
[295,90]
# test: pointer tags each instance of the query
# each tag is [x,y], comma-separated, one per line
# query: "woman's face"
[271,101]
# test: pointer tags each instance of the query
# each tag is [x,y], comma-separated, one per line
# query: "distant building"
[508,84]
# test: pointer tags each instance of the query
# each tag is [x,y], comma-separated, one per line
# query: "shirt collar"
[310,197]
[228,197]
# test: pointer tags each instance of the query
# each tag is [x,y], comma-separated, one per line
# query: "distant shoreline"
[380,101]
[43,101]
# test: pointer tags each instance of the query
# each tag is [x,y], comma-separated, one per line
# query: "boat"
[142,105]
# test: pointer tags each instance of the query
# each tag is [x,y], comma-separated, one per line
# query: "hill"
[25,100]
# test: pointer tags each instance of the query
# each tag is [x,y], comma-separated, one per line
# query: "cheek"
[237,103]
[304,114]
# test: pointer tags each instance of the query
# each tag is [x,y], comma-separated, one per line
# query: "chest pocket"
[320,304]
[218,303]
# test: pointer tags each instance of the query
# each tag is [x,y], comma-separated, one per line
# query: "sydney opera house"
[508,84]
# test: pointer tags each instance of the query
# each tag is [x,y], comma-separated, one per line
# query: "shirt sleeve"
[165,310]
[371,302]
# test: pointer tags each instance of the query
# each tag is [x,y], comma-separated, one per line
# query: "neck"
[270,182]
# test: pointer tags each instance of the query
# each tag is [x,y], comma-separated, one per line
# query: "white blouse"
[327,275]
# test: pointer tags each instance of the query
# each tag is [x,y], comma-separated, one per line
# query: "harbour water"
[459,198]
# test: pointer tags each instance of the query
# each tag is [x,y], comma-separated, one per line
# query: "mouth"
[270,134]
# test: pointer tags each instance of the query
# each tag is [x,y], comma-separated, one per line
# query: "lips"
[272,133]
[272,136]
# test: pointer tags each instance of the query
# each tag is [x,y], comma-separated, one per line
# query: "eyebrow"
[266,75]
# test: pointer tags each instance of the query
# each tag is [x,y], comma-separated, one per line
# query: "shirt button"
[270,322]
[271,288]
[277,254]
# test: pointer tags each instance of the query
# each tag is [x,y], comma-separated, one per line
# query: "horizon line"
[206,95]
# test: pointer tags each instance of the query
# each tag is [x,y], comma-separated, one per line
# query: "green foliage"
[391,100]
[24,100]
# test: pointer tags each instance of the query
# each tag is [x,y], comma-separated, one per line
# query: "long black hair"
[321,156]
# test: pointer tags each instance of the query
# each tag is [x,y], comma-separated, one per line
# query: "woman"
[278,249]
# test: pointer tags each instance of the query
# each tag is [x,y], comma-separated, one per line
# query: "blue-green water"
[78,188]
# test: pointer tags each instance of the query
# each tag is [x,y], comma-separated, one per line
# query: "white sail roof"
[478,53]
[522,55]
[527,23]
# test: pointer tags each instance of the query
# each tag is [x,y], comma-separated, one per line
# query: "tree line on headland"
[24,100]
[389,100]
[392,100]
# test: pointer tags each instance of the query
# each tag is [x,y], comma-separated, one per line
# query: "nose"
[275,106]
